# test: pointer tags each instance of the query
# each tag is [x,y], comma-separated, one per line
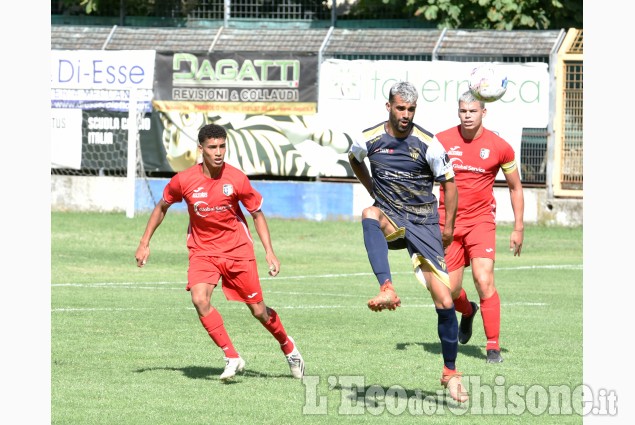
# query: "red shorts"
[477,241]
[240,278]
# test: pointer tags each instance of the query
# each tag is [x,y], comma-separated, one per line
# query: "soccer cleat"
[455,386]
[387,298]
[494,356]
[465,327]
[296,362]
[232,365]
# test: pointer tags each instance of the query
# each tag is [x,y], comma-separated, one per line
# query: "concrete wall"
[308,200]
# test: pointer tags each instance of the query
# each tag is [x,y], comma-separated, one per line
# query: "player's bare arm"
[155,220]
[362,173]
[451,204]
[262,228]
[518,207]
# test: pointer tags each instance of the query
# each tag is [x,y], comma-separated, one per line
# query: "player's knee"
[371,212]
[259,312]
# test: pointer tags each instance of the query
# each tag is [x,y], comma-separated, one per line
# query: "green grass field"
[127,346]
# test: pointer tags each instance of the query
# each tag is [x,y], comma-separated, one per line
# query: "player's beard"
[402,127]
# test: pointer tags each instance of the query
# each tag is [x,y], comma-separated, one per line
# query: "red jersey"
[217,224]
[476,164]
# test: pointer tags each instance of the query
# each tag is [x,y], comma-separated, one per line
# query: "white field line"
[282,308]
[321,276]
[155,285]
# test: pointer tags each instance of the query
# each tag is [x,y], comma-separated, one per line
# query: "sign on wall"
[280,120]
[353,95]
[101,79]
[266,101]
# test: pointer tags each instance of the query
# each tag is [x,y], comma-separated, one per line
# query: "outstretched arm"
[518,206]
[262,228]
[156,218]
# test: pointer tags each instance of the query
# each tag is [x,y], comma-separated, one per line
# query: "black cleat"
[494,356]
[465,327]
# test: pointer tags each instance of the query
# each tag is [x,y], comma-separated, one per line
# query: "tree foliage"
[467,14]
[501,14]
[481,14]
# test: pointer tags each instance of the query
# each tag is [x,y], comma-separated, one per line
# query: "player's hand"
[274,265]
[142,254]
[447,238]
[516,242]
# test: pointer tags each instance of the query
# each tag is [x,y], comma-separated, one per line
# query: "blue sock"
[449,335]
[377,249]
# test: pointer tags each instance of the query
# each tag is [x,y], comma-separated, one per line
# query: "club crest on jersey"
[414,154]
[484,153]
[228,189]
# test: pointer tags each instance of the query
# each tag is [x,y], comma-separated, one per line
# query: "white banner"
[353,95]
[66,138]
[101,79]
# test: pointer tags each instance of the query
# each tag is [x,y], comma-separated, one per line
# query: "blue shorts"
[424,244]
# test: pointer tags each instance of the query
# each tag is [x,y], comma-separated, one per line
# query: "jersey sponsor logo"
[454,151]
[198,189]
[228,189]
[199,194]
[202,209]
[458,165]
[484,153]
[384,150]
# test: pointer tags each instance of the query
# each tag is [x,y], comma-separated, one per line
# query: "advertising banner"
[104,141]
[266,101]
[101,79]
[280,120]
[66,138]
[90,97]
[248,83]
[353,95]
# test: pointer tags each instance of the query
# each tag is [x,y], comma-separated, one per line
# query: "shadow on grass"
[435,348]
[374,396]
[211,373]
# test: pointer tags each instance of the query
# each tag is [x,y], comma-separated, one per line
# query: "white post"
[132,153]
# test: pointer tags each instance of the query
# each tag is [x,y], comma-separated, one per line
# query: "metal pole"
[132,153]
[333,12]
[228,5]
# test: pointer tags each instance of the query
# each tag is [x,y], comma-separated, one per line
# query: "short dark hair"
[211,131]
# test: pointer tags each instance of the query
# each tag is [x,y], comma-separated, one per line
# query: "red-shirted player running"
[220,245]
[477,154]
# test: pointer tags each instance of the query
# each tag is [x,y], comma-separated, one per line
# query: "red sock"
[213,324]
[491,313]
[274,326]
[462,304]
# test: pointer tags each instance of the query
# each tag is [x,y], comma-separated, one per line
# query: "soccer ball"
[488,83]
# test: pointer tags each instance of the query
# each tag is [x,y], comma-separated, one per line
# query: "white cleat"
[296,362]
[232,366]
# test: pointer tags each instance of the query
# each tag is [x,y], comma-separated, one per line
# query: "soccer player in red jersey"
[477,154]
[220,245]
